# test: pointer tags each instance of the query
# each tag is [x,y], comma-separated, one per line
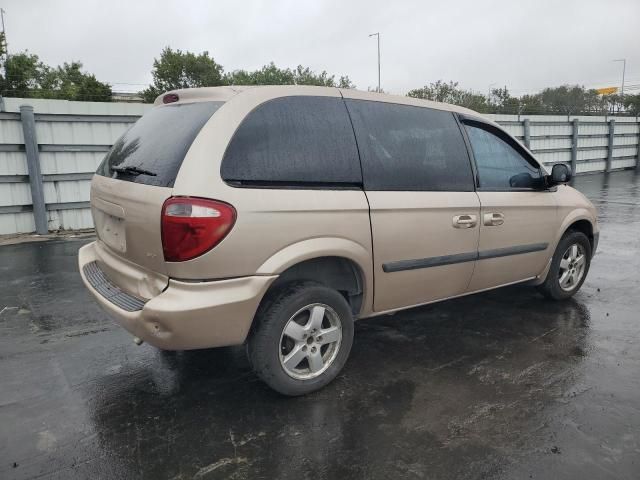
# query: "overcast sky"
[525,45]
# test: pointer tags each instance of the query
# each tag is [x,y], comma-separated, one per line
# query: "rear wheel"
[302,338]
[569,266]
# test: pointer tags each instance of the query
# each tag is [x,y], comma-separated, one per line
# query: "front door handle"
[493,219]
[464,221]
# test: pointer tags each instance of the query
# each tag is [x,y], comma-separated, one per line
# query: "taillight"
[193,226]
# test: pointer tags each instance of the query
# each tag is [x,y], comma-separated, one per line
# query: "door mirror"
[560,173]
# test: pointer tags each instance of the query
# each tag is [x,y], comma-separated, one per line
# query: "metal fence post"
[638,145]
[33,165]
[612,128]
[574,145]
[527,133]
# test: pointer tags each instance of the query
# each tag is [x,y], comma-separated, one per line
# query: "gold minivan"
[276,216]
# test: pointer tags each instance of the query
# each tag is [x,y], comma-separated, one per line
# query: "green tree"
[306,76]
[177,69]
[28,77]
[566,99]
[531,105]
[24,75]
[71,83]
[270,74]
[437,91]
[267,75]
[632,104]
[563,100]
[594,103]
[450,93]
[501,101]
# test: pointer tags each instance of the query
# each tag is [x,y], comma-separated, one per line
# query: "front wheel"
[569,267]
[302,338]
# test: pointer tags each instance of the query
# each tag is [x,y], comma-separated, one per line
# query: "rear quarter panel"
[275,228]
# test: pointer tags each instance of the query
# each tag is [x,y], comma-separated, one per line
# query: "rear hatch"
[137,176]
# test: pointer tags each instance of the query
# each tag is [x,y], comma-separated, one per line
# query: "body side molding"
[402,265]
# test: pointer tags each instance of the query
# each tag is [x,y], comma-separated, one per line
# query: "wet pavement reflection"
[497,385]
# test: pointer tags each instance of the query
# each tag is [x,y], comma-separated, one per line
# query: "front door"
[424,210]
[518,217]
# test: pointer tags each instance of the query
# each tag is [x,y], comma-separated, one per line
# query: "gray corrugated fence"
[587,144]
[71,138]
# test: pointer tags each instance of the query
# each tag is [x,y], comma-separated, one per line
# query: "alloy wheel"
[310,341]
[572,267]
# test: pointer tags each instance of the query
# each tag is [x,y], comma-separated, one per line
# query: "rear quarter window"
[294,141]
[405,147]
[157,144]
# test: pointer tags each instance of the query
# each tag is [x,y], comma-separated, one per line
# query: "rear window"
[294,141]
[403,147]
[152,150]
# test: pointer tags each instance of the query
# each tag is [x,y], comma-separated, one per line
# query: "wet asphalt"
[497,385]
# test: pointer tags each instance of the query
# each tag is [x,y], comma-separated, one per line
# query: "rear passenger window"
[403,147]
[295,141]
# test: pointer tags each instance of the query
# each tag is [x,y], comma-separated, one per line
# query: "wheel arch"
[578,220]
[335,262]
[584,226]
[339,273]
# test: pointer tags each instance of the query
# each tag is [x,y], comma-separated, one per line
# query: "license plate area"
[110,224]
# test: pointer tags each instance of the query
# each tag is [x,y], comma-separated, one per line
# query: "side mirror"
[560,173]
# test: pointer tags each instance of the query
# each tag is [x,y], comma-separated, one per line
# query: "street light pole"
[4,33]
[624,67]
[377,34]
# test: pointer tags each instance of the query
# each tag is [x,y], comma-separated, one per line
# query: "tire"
[299,362]
[554,287]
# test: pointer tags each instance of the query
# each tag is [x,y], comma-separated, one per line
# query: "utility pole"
[377,34]
[4,33]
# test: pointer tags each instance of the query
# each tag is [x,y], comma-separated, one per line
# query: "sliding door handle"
[493,219]
[465,221]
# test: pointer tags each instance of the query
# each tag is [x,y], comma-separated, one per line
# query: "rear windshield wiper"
[132,170]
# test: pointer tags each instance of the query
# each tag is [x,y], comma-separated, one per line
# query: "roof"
[227,92]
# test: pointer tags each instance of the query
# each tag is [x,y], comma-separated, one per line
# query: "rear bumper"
[186,315]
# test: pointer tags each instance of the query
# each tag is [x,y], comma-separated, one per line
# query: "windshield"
[152,150]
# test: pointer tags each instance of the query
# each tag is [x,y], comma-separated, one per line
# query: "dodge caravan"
[276,216]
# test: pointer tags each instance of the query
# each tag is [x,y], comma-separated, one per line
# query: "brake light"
[193,226]
[170,98]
